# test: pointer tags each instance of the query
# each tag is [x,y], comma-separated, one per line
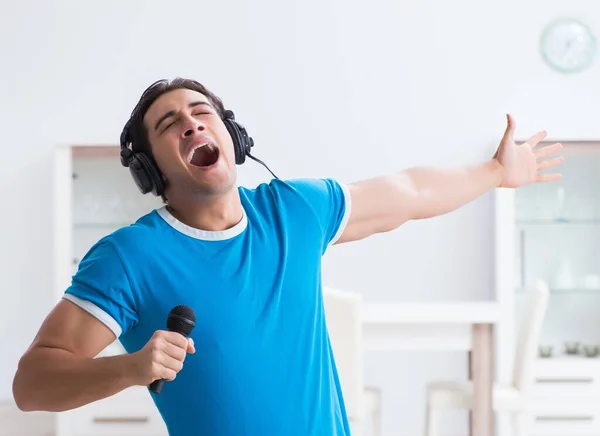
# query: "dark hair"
[138,133]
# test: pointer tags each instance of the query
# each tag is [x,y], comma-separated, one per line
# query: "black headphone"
[145,172]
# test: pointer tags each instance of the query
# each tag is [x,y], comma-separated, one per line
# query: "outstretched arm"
[384,203]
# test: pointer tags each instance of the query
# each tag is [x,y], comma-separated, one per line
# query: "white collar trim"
[205,235]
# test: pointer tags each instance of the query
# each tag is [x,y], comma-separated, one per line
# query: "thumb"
[510,128]
[191,348]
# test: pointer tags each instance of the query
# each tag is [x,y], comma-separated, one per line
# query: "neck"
[218,213]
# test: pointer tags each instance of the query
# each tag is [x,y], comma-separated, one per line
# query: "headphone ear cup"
[238,141]
[145,175]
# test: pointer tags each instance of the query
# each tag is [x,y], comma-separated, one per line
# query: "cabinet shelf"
[574,290]
[562,222]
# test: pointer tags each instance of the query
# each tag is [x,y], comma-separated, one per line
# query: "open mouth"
[204,155]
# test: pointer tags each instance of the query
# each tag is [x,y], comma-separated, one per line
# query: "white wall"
[327,88]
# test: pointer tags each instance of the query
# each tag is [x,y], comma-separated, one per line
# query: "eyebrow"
[172,113]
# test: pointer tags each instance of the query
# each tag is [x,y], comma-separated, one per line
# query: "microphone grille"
[182,319]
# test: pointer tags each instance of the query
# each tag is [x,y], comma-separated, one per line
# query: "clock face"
[568,46]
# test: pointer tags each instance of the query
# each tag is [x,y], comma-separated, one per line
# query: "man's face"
[190,144]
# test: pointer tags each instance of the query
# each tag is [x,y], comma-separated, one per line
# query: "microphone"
[182,320]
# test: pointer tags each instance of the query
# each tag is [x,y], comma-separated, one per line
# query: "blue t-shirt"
[264,363]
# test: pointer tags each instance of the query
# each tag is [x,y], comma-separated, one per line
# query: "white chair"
[344,324]
[512,398]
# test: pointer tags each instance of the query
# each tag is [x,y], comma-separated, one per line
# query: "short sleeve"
[330,200]
[102,287]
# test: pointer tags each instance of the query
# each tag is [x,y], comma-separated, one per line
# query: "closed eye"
[175,122]
[172,113]
[171,124]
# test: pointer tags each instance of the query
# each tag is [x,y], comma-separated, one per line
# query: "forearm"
[437,191]
[52,379]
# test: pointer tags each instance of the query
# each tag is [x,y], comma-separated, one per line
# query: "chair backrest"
[529,335]
[344,324]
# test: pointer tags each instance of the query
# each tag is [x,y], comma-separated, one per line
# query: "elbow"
[22,389]
[23,405]
[20,394]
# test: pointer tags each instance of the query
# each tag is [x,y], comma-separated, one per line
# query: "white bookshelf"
[552,231]
[95,195]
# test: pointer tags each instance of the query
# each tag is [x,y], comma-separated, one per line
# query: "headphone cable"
[262,163]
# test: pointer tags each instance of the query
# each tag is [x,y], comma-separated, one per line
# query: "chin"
[195,183]
[217,182]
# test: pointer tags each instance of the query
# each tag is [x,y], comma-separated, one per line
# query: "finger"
[168,374]
[175,352]
[177,339]
[548,150]
[550,163]
[166,367]
[535,139]
[172,364]
[171,337]
[510,128]
[548,177]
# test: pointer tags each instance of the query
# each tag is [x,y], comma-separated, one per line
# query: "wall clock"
[568,45]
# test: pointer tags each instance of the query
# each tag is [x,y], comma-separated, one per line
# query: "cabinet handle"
[565,380]
[564,418]
[121,419]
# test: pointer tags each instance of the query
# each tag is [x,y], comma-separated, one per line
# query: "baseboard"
[14,422]
[421,434]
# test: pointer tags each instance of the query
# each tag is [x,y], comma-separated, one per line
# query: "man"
[248,261]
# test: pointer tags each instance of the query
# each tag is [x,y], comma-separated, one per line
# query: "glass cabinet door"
[557,239]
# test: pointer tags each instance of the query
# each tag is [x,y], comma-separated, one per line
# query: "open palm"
[521,163]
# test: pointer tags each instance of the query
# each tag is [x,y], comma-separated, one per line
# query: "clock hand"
[567,48]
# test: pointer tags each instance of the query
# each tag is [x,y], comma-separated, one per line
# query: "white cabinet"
[566,397]
[129,413]
[93,196]
[552,231]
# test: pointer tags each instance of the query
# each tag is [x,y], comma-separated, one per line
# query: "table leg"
[470,377]
[482,368]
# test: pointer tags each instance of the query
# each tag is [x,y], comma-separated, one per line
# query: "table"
[467,326]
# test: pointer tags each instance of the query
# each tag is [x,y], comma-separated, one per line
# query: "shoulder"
[320,204]
[105,283]
[305,190]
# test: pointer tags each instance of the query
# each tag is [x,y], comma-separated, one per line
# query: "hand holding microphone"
[163,355]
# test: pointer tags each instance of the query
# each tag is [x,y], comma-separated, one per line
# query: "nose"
[191,127]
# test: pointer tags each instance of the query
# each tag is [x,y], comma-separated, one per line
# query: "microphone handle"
[157,385]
